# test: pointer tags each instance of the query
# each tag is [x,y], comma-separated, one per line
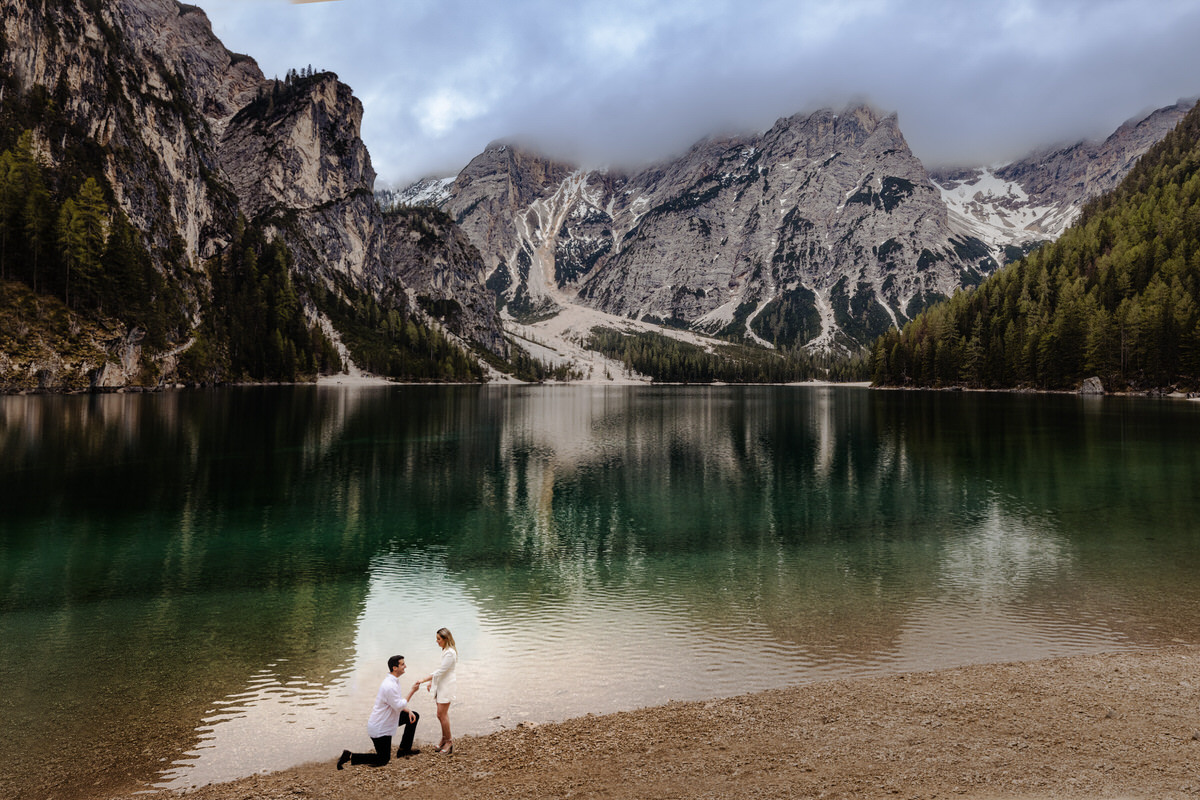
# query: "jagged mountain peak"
[849,128]
[740,234]
[525,172]
[823,230]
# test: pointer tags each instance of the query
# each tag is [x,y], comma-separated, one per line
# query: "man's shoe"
[345,757]
[412,751]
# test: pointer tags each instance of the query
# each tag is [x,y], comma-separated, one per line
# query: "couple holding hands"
[391,708]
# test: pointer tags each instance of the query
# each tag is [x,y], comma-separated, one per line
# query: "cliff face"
[192,136]
[294,159]
[823,231]
[445,273]
[300,170]
[149,84]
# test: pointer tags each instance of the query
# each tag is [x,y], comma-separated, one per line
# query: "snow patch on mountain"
[539,239]
[425,192]
[1000,212]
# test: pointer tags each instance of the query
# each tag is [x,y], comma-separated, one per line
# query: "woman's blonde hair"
[448,638]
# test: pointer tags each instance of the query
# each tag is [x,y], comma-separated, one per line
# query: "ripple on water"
[566,643]
[242,735]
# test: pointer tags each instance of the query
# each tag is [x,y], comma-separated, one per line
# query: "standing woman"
[441,683]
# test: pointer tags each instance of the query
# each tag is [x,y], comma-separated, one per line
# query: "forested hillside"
[168,215]
[60,236]
[1115,297]
[74,249]
[77,280]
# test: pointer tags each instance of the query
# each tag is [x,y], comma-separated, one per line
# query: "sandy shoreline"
[1098,726]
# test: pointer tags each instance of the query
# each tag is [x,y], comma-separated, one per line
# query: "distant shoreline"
[354,381]
[1151,393]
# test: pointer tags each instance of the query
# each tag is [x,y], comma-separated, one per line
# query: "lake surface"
[198,586]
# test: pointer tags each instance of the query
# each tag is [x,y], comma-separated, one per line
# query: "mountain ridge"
[818,233]
[1035,199]
[641,245]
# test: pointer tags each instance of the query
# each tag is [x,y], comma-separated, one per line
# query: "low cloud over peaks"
[632,82]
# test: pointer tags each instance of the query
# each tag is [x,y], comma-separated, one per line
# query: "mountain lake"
[200,585]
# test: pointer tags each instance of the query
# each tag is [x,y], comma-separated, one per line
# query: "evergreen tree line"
[385,339]
[78,247]
[1115,297]
[669,360]
[254,326]
[524,367]
[278,93]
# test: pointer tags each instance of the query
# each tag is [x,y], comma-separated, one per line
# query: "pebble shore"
[1121,725]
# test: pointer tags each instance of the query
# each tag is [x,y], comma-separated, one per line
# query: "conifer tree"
[81,238]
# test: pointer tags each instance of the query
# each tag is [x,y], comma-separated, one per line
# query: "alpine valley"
[171,215]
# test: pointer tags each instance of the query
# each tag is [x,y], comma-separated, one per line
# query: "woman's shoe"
[448,749]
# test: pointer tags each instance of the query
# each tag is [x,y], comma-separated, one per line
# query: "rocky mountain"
[433,256]
[824,231]
[1031,201]
[821,232]
[425,192]
[315,191]
[189,138]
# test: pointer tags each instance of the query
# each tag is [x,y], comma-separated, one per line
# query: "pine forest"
[1115,297]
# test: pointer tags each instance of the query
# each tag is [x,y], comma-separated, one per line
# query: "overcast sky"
[612,82]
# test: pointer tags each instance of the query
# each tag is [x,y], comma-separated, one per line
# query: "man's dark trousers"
[383,744]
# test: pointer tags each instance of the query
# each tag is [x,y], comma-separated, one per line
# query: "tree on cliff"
[81,239]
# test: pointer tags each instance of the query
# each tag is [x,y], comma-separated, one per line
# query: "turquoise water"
[199,586]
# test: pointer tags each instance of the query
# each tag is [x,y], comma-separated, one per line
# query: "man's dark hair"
[393,661]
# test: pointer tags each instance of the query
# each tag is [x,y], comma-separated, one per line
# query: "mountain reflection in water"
[237,565]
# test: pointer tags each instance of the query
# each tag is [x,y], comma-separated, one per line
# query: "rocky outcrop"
[301,171]
[493,199]
[298,167]
[150,85]
[445,273]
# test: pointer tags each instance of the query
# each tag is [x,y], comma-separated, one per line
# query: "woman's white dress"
[442,685]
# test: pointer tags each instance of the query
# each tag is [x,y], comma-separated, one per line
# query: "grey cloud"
[632,81]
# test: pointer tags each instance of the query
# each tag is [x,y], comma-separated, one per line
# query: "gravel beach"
[1120,725]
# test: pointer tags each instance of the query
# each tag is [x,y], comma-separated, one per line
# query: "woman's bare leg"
[443,715]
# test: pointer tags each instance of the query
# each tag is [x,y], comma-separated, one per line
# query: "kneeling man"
[390,704]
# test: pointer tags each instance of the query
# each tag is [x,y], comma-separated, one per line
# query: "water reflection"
[239,565]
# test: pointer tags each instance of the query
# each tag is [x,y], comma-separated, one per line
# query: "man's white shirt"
[385,715]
